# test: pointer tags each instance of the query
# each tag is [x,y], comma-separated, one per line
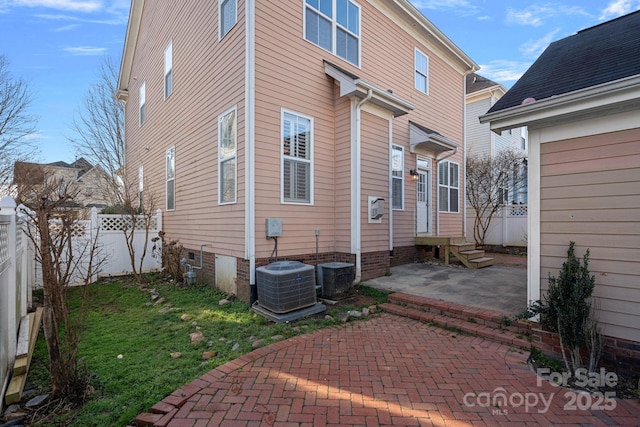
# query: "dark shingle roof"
[476,82]
[600,54]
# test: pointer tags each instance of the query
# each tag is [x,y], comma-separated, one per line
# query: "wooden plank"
[23,336]
[18,380]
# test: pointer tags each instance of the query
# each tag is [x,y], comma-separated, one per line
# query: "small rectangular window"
[421,71]
[143,104]
[171,178]
[227,152]
[228,13]
[168,70]
[297,164]
[449,186]
[397,178]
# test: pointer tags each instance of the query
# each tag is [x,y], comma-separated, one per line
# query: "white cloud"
[463,7]
[503,71]
[76,6]
[618,8]
[116,20]
[66,28]
[86,50]
[533,48]
[536,14]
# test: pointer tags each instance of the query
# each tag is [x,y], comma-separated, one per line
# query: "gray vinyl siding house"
[581,103]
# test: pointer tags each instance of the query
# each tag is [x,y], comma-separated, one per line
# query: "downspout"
[455,150]
[464,157]
[357,191]
[249,132]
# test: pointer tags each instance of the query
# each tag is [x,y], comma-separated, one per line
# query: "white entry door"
[423,208]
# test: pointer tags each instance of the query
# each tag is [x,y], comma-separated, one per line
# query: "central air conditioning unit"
[336,279]
[285,286]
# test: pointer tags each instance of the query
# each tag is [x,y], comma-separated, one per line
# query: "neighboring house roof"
[476,82]
[597,55]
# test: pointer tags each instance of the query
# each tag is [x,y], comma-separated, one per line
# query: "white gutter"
[249,138]
[356,189]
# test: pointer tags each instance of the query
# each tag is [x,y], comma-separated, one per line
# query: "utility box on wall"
[376,209]
[273,227]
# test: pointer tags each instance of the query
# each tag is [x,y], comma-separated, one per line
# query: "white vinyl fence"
[112,256]
[17,272]
[508,226]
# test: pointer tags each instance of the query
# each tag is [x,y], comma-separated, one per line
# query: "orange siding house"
[310,112]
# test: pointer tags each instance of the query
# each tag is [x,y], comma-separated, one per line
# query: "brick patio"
[385,371]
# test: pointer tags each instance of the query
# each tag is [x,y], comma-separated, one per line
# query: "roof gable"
[596,55]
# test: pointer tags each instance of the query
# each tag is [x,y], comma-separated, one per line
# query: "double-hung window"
[297,159]
[397,177]
[228,13]
[227,149]
[449,186]
[168,70]
[334,25]
[143,103]
[422,72]
[171,178]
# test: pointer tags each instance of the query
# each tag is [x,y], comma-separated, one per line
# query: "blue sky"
[58,45]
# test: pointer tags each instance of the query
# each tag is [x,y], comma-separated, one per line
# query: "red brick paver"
[385,371]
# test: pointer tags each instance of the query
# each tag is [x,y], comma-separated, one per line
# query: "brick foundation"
[409,254]
[619,355]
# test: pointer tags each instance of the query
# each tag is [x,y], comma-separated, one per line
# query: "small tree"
[68,254]
[99,130]
[570,308]
[16,123]
[490,181]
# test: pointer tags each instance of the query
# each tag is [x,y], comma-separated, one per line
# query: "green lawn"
[123,320]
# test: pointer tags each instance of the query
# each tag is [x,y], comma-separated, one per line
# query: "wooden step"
[481,262]
[472,254]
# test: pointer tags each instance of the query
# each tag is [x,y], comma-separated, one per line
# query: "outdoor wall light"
[413,174]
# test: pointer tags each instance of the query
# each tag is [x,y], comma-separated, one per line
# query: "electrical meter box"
[274,227]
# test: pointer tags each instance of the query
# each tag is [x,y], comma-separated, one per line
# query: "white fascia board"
[131,38]
[595,100]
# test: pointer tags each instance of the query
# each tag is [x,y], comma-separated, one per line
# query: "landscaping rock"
[343,317]
[222,339]
[175,355]
[196,337]
[235,347]
[148,303]
[366,311]
[36,401]
[14,422]
[277,337]
[373,309]
[327,317]
[223,302]
[209,354]
[258,343]
[355,314]
[252,338]
[185,317]
[160,301]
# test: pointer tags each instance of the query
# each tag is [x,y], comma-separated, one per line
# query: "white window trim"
[334,26]
[221,159]
[449,187]
[142,103]
[401,177]
[235,21]
[415,70]
[168,53]
[167,179]
[284,111]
